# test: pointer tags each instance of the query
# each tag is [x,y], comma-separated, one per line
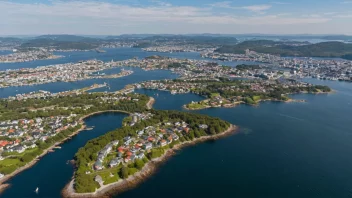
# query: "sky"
[115,17]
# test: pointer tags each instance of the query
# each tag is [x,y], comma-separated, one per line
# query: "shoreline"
[150,103]
[26,61]
[3,185]
[48,150]
[232,105]
[149,169]
[113,76]
[36,159]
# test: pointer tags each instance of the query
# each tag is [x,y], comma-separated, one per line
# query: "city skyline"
[114,17]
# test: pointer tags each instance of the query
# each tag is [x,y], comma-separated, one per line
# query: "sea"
[280,150]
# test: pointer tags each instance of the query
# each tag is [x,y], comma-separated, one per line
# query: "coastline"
[35,160]
[113,76]
[241,102]
[53,57]
[149,169]
[3,185]
[150,103]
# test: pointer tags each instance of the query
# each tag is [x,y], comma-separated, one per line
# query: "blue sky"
[113,17]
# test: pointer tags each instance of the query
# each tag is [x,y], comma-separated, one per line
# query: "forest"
[325,49]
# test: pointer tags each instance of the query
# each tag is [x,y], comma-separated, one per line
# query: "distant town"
[83,70]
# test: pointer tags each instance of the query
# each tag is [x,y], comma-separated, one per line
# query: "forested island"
[223,92]
[31,127]
[126,156]
[325,49]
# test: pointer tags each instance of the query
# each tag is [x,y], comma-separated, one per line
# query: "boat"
[36,190]
[100,51]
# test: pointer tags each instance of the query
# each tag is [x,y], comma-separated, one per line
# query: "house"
[115,143]
[114,162]
[36,135]
[19,149]
[175,137]
[98,165]
[128,140]
[121,149]
[3,143]
[203,126]
[43,138]
[140,156]
[134,150]
[163,143]
[127,159]
[99,179]
[139,133]
[148,146]
[186,129]
[151,139]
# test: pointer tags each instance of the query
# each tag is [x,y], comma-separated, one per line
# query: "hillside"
[325,49]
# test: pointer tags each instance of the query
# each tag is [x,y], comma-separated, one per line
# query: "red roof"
[4,143]
[121,149]
[151,139]
[186,129]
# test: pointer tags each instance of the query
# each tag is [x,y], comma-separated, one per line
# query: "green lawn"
[9,162]
[214,95]
[20,154]
[195,106]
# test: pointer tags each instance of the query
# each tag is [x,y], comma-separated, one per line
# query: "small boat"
[36,190]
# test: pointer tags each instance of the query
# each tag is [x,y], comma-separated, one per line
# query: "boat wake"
[287,116]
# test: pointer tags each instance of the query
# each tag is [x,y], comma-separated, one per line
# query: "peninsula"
[122,158]
[69,72]
[32,125]
[27,56]
[223,92]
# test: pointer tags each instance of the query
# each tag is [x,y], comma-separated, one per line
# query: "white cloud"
[92,17]
[280,3]
[222,4]
[257,8]
[252,8]
[346,2]
[161,3]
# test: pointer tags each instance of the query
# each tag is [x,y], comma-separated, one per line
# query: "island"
[69,72]
[224,92]
[27,56]
[121,159]
[31,125]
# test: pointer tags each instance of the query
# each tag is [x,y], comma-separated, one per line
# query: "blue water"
[116,84]
[5,52]
[281,150]
[115,54]
[52,173]
[111,54]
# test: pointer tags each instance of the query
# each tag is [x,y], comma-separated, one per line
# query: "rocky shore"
[149,169]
